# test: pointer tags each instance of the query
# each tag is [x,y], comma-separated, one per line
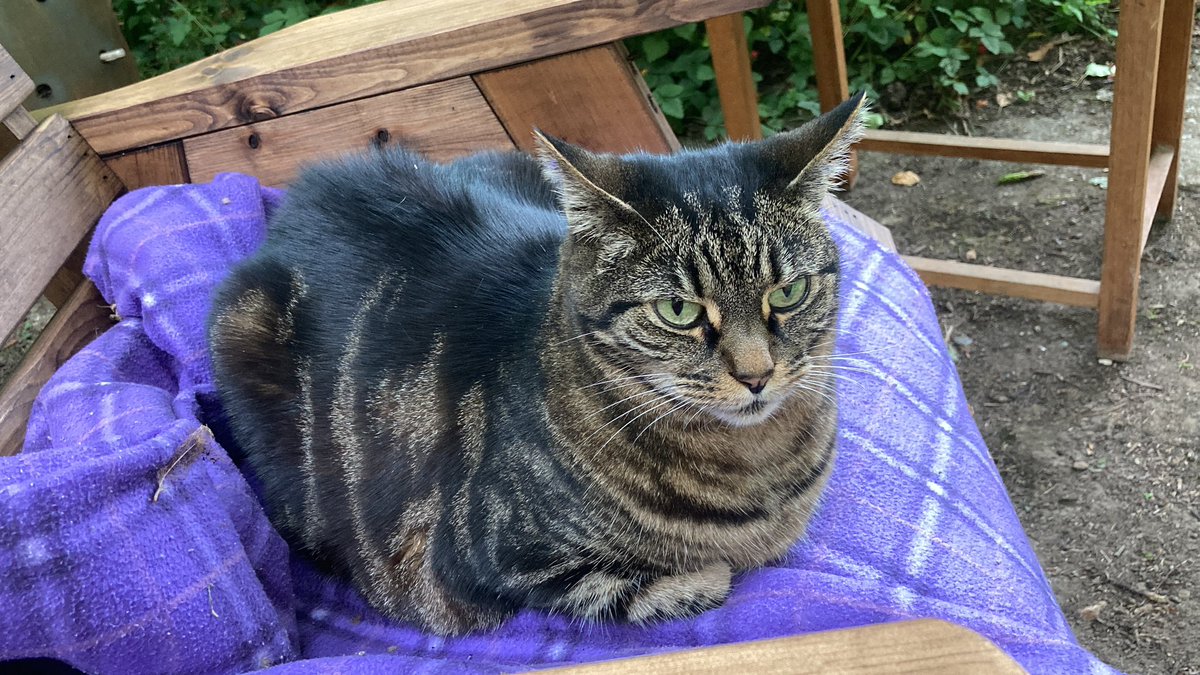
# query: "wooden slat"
[829,60]
[1171,92]
[860,222]
[365,51]
[15,85]
[829,55]
[53,188]
[916,647]
[1140,28]
[976,147]
[735,81]
[78,322]
[1002,281]
[20,123]
[592,97]
[156,165]
[1162,161]
[442,120]
[69,276]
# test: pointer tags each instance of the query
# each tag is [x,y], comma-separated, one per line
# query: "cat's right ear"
[588,186]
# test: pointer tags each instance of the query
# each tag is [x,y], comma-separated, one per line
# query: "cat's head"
[708,276]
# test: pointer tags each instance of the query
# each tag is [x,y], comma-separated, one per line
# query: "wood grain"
[15,85]
[80,320]
[361,52]
[20,123]
[1003,281]
[1170,93]
[442,120]
[925,647]
[829,54]
[1140,28]
[53,188]
[735,81]
[70,275]
[156,165]
[1162,164]
[829,60]
[977,147]
[592,97]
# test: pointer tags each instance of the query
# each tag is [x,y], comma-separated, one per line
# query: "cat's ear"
[809,160]
[588,186]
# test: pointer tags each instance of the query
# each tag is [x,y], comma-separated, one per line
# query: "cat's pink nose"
[755,383]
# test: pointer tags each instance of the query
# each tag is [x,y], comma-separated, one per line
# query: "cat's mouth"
[755,412]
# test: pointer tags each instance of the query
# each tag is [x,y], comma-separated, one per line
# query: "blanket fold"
[131,543]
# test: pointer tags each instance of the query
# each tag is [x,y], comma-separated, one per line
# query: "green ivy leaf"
[178,29]
[703,73]
[669,90]
[672,108]
[655,47]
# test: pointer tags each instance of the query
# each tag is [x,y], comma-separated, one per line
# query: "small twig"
[212,609]
[1140,383]
[197,439]
[1157,598]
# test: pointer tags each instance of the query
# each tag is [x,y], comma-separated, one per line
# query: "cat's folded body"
[472,394]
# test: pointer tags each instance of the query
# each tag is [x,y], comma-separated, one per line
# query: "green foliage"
[166,34]
[949,46]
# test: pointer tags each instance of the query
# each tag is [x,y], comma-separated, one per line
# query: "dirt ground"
[1101,461]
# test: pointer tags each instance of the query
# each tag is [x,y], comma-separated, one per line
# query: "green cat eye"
[679,313]
[788,297]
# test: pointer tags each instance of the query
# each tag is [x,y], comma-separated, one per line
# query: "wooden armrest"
[363,52]
[926,646]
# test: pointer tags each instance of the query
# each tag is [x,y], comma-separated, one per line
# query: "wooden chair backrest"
[53,189]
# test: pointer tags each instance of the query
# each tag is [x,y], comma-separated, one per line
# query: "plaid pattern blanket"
[131,543]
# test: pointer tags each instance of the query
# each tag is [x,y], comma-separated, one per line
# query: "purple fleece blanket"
[130,543]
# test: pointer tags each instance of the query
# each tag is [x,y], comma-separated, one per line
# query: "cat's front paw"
[681,595]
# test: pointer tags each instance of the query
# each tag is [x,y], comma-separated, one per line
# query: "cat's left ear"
[809,160]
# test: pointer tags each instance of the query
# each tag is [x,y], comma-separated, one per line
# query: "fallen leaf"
[1092,612]
[1100,70]
[1020,177]
[981,104]
[1040,53]
[1004,100]
[906,179]
[970,255]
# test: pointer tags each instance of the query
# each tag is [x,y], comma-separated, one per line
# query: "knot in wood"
[257,108]
[381,137]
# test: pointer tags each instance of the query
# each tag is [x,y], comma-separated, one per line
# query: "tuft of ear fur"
[812,158]
[588,185]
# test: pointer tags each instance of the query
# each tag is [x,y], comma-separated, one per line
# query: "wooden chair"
[480,74]
[1142,158]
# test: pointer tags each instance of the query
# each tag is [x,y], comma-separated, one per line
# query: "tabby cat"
[591,384]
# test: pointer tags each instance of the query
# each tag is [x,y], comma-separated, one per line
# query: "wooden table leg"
[829,60]
[1140,30]
[1169,97]
[735,80]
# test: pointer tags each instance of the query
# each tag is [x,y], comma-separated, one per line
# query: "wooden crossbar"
[924,646]
[1161,164]
[1003,281]
[15,85]
[977,147]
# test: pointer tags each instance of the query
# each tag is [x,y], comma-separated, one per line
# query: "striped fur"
[454,388]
